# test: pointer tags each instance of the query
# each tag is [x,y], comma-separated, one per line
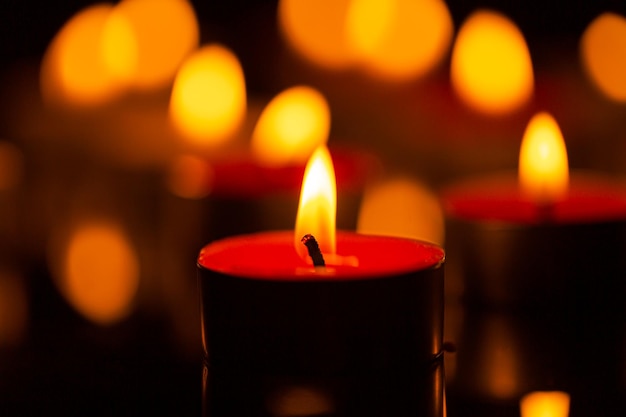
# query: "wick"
[314,250]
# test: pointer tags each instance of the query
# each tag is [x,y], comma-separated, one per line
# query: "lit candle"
[365,330]
[549,244]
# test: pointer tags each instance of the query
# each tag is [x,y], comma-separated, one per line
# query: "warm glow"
[101,273]
[318,204]
[90,60]
[166,33]
[11,165]
[543,169]
[501,368]
[491,69]
[208,101]
[316,30]
[13,309]
[190,177]
[545,404]
[401,207]
[292,125]
[603,52]
[294,401]
[399,39]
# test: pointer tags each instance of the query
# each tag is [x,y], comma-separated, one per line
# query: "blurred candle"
[491,69]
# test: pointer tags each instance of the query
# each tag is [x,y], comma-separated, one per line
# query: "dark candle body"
[359,344]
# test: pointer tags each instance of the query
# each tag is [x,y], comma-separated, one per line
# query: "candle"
[551,248]
[364,332]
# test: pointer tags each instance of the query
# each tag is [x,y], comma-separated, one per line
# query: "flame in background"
[545,404]
[543,166]
[491,69]
[291,126]
[208,100]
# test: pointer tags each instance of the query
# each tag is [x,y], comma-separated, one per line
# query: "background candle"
[369,337]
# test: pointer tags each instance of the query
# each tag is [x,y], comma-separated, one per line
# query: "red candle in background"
[547,250]
[363,334]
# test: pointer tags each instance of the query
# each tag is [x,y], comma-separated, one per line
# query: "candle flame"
[543,168]
[491,69]
[545,404]
[318,204]
[208,101]
[292,125]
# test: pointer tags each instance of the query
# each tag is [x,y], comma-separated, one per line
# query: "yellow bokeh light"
[603,53]
[166,33]
[412,37]
[78,67]
[208,100]
[367,24]
[491,68]
[401,207]
[317,210]
[100,277]
[291,126]
[190,177]
[545,404]
[316,30]
[543,166]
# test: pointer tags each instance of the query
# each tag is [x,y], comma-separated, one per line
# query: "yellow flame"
[545,404]
[603,52]
[491,68]
[166,33]
[399,39]
[291,126]
[90,60]
[317,209]
[101,273]
[208,101]
[316,30]
[543,167]
[401,207]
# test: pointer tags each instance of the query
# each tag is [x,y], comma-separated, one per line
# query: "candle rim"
[296,270]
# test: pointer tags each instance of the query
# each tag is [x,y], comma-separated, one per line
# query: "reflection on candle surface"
[491,68]
[545,404]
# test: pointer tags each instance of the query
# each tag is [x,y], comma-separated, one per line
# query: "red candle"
[549,255]
[364,333]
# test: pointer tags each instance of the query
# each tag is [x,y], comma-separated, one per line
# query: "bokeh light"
[166,33]
[291,126]
[208,100]
[90,60]
[412,37]
[316,30]
[603,54]
[401,207]
[100,272]
[545,404]
[491,68]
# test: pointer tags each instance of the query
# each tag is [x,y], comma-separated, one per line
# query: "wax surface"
[271,255]
[245,177]
[591,198]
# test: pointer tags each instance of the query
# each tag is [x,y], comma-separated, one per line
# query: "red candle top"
[271,255]
[591,198]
